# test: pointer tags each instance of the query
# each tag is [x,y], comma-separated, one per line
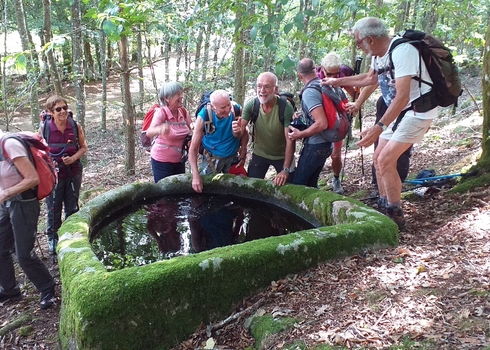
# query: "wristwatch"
[382,126]
[286,170]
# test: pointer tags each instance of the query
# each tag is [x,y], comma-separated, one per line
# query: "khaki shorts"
[410,130]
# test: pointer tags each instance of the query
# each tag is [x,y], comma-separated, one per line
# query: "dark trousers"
[311,162]
[258,167]
[18,228]
[65,194]
[164,169]
[403,163]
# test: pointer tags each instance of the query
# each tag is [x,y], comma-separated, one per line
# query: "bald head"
[306,70]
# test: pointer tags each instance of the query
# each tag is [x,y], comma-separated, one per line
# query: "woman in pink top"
[170,126]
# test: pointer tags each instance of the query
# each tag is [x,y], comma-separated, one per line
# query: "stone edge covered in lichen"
[157,305]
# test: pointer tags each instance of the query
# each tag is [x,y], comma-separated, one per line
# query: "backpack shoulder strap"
[74,126]
[393,46]
[208,118]
[255,111]
[282,107]
[45,128]
[19,139]
[237,111]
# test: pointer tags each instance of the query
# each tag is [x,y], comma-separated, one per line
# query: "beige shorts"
[410,130]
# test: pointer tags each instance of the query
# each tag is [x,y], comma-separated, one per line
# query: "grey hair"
[370,26]
[270,75]
[306,66]
[218,93]
[168,90]
[331,60]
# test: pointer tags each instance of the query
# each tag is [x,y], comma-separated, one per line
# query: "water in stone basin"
[179,225]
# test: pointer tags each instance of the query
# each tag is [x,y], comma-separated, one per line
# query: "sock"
[394,204]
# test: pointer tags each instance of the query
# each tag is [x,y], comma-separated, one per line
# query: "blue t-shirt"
[220,141]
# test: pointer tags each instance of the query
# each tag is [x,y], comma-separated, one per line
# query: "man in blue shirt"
[217,127]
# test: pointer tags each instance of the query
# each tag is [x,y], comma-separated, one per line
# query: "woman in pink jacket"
[171,125]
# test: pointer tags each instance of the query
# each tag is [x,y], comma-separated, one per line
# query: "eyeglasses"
[359,42]
[336,74]
[265,87]
[58,109]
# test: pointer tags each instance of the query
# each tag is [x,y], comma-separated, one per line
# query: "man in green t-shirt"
[271,146]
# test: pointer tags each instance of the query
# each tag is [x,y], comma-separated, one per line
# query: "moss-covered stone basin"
[156,306]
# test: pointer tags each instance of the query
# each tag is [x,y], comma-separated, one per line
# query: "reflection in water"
[176,225]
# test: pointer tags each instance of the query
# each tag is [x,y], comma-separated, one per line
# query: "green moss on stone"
[262,327]
[157,305]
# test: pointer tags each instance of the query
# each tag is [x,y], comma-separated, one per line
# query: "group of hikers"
[220,137]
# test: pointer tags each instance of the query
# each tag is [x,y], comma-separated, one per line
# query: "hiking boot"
[13,297]
[337,186]
[47,300]
[382,205]
[396,214]
[52,243]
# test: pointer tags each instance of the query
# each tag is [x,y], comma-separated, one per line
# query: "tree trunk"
[6,111]
[205,56]
[78,73]
[429,21]
[104,75]
[150,64]
[31,67]
[128,112]
[141,82]
[239,86]
[89,67]
[47,36]
[197,55]
[167,60]
[484,161]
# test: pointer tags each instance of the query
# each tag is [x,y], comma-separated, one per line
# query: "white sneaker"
[337,186]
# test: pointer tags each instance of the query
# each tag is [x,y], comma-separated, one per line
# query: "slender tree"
[78,66]
[31,66]
[47,36]
[484,161]
[128,110]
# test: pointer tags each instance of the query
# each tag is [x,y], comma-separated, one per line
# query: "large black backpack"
[446,84]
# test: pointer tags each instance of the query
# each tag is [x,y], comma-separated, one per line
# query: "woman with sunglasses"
[170,126]
[67,145]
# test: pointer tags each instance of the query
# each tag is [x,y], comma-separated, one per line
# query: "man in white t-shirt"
[400,126]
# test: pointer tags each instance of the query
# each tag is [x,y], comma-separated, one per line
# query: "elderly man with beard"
[271,145]
[400,126]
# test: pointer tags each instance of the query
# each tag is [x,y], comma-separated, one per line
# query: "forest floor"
[430,292]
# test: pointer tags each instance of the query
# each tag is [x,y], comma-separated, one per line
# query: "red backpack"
[38,153]
[334,104]
[146,142]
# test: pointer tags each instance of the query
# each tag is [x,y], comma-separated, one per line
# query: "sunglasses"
[332,74]
[58,109]
[359,42]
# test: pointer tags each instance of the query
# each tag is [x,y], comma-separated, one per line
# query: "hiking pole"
[357,71]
